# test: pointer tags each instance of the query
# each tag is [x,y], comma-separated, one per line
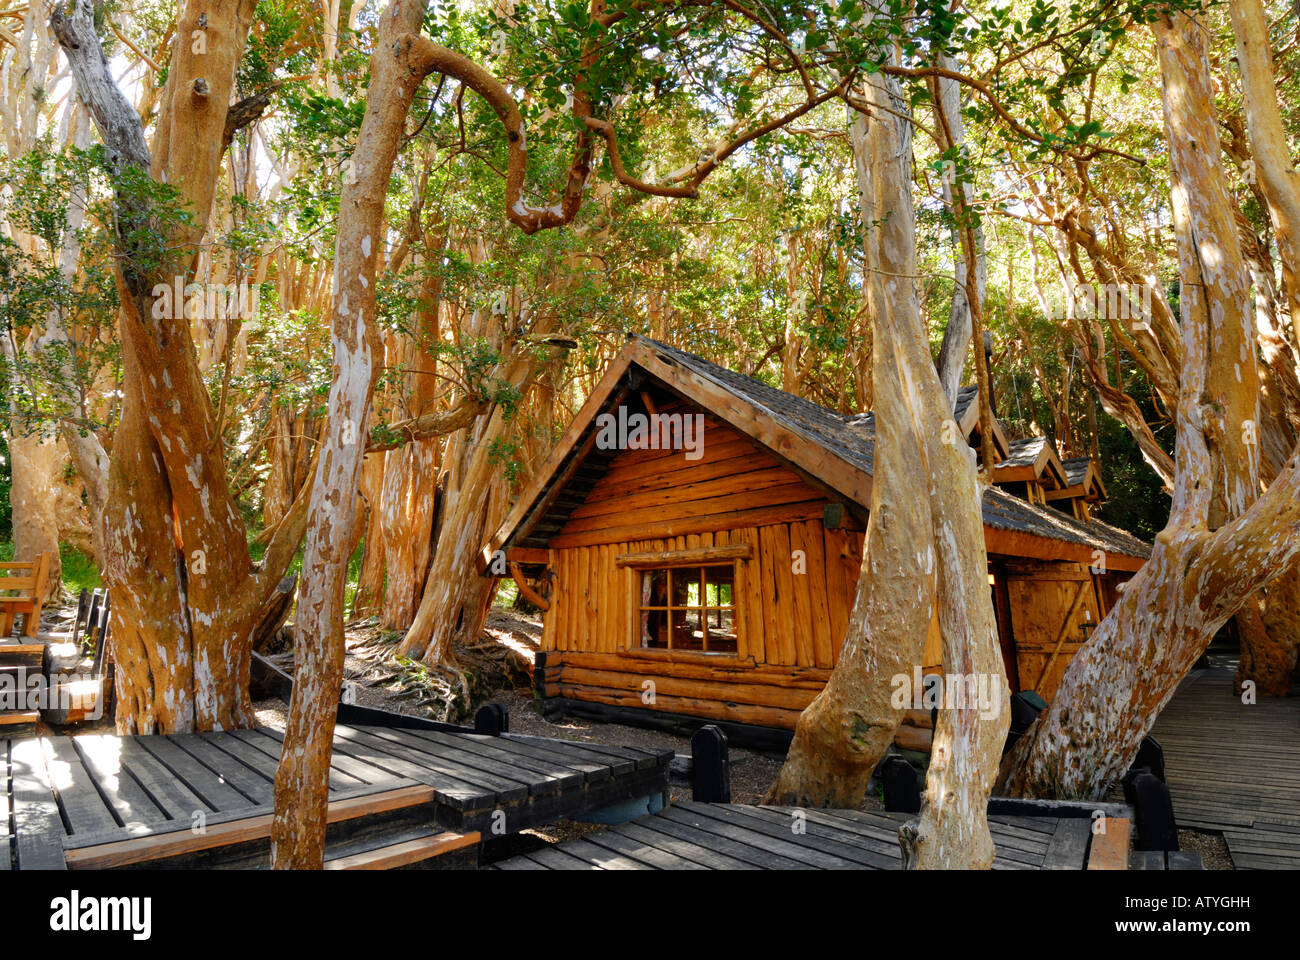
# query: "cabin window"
[688,608]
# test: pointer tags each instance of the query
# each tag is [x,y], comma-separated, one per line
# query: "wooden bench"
[22,590]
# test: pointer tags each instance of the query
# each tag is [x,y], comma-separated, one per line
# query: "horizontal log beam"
[674,558]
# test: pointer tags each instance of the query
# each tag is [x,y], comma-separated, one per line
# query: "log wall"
[794,591]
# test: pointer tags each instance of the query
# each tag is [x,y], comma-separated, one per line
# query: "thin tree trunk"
[918,550]
[957,334]
[302,779]
[1277,176]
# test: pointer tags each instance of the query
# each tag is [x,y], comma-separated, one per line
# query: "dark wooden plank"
[645,830]
[356,771]
[84,810]
[131,804]
[565,776]
[1068,849]
[197,778]
[601,857]
[883,828]
[259,756]
[257,787]
[757,857]
[164,787]
[553,858]
[1046,825]
[713,820]
[185,825]
[616,757]
[503,789]
[38,828]
[517,863]
[455,793]
[236,832]
[455,751]
[817,836]
[644,759]
[651,855]
[592,766]
[1231,767]
[1146,860]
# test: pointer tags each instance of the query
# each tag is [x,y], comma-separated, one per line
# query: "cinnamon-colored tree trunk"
[186,595]
[301,781]
[1197,576]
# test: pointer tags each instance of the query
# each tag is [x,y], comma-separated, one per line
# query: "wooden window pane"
[688,608]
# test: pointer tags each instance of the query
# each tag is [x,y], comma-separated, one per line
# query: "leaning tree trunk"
[1276,174]
[1196,578]
[918,550]
[443,605]
[302,779]
[1269,654]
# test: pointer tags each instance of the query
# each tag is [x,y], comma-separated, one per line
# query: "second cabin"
[696,538]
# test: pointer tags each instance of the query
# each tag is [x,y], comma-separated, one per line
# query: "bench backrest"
[31,585]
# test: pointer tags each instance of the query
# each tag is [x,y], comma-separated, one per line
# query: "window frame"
[697,559]
[697,574]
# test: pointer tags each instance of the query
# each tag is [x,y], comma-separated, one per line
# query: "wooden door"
[1053,610]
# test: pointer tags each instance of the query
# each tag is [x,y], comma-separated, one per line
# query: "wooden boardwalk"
[1234,768]
[718,836]
[97,800]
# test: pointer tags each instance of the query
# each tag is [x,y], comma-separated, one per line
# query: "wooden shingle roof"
[835,450]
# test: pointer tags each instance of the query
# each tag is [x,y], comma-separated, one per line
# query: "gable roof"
[1081,472]
[1033,458]
[836,451]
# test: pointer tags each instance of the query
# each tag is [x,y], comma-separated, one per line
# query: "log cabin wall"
[794,588]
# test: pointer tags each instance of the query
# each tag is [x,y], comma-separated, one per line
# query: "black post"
[902,786]
[1153,809]
[492,719]
[711,766]
[1150,757]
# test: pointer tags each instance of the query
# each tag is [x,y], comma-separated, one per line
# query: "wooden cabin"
[709,573]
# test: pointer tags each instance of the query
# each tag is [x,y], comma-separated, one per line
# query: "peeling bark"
[1198,576]
[918,550]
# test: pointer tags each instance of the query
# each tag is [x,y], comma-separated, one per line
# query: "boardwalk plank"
[503,790]
[1232,767]
[450,750]
[131,803]
[37,824]
[164,787]
[84,810]
[257,787]
[1068,848]
[356,771]
[197,778]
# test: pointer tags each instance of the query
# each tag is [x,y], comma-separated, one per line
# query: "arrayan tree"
[452,215]
[1223,542]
